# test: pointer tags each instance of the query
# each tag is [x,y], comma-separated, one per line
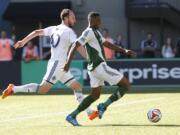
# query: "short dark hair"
[93,15]
[65,13]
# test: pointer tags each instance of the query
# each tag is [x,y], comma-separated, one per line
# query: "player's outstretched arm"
[71,54]
[30,36]
[82,51]
[119,49]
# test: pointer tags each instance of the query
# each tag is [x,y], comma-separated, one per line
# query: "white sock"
[28,88]
[79,97]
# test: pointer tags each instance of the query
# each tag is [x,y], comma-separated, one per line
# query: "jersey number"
[55,39]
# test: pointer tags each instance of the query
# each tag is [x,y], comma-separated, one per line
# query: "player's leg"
[79,97]
[95,94]
[44,87]
[123,87]
[48,80]
[71,118]
[32,87]
[96,85]
[68,79]
[28,88]
[114,78]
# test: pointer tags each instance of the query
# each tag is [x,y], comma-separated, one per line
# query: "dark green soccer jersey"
[92,40]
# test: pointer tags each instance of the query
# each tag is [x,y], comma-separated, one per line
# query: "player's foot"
[8,91]
[101,109]
[93,115]
[72,120]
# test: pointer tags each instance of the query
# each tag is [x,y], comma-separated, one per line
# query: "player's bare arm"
[71,54]
[82,52]
[119,49]
[32,35]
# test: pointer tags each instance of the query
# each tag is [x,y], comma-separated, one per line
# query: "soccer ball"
[154,115]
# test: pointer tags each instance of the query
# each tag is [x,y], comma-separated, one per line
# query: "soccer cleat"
[93,115]
[8,91]
[101,109]
[72,120]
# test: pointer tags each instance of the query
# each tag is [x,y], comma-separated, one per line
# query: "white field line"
[138,101]
[66,112]
[34,116]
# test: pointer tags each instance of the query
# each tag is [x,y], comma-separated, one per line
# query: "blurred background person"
[119,42]
[13,34]
[47,55]
[109,54]
[30,52]
[149,46]
[167,49]
[6,53]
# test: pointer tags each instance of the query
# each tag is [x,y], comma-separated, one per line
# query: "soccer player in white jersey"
[62,37]
[98,70]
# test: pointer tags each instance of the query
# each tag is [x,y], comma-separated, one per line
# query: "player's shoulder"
[66,29]
[48,30]
[87,31]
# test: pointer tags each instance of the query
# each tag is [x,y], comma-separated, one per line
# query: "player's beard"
[70,24]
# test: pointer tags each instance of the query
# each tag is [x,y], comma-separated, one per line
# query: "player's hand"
[19,44]
[130,53]
[66,67]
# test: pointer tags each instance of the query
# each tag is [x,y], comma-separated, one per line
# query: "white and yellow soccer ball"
[154,115]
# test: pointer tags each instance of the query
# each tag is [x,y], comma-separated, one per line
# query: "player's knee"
[123,87]
[124,83]
[75,86]
[95,95]
[43,91]
[44,88]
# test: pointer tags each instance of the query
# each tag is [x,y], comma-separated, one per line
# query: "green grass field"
[45,115]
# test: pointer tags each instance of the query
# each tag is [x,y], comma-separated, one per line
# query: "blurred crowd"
[148,48]
[7,52]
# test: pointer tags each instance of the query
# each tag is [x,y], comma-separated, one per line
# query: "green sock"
[116,95]
[75,113]
[84,104]
[108,102]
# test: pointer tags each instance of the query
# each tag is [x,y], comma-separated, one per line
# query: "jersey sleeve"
[85,37]
[48,31]
[72,36]
[103,39]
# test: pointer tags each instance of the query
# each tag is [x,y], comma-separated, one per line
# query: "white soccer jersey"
[61,37]
[92,40]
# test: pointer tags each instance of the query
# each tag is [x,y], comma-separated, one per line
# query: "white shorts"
[56,73]
[104,73]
